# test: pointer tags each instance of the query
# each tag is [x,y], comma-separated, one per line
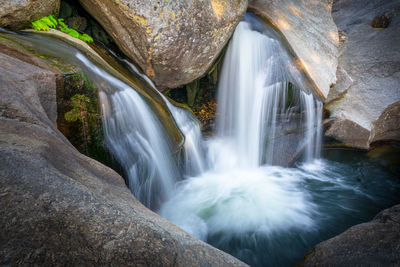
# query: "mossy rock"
[99,34]
[77,23]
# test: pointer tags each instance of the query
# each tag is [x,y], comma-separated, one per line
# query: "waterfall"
[266,116]
[260,91]
[194,162]
[135,136]
[233,189]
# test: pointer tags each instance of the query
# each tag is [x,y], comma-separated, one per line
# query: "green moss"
[45,23]
[3,38]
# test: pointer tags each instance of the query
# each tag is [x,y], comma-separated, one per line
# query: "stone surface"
[59,207]
[369,69]
[375,243]
[387,127]
[18,14]
[310,31]
[348,132]
[174,42]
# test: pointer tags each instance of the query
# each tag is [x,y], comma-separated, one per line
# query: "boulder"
[18,14]
[60,207]
[387,127]
[375,243]
[368,73]
[310,31]
[348,132]
[174,42]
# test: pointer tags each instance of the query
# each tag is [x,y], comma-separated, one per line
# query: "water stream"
[259,188]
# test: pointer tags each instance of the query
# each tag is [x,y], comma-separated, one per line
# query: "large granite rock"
[368,73]
[174,42]
[59,207]
[18,14]
[375,243]
[310,31]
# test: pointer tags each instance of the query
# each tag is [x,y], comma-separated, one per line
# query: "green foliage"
[88,83]
[86,38]
[45,23]
[80,108]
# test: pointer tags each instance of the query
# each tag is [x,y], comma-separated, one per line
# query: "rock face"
[375,243]
[17,14]
[387,126]
[174,42]
[309,28]
[60,207]
[368,73]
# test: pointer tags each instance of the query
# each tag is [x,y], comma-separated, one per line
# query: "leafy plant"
[45,23]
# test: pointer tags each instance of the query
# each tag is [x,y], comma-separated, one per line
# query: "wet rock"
[368,72]
[380,22]
[346,133]
[60,207]
[18,14]
[309,28]
[174,42]
[375,243]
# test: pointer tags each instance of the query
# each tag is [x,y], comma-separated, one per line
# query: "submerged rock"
[380,22]
[18,14]
[375,243]
[174,42]
[309,28]
[60,207]
[368,73]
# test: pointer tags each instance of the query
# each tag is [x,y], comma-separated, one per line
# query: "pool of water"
[272,216]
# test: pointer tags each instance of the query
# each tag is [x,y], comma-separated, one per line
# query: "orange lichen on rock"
[150,71]
[218,8]
[206,113]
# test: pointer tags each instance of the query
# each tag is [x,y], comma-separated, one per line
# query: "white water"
[265,215]
[240,192]
[136,137]
[253,98]
[230,189]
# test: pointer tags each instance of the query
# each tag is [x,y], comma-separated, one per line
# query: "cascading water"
[257,97]
[235,196]
[260,96]
[133,132]
[263,214]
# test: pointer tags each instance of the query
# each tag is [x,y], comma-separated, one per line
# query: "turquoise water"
[273,216]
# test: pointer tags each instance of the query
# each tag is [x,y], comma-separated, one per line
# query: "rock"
[18,14]
[310,31]
[98,33]
[380,22]
[65,10]
[387,127]
[368,71]
[174,42]
[77,23]
[375,243]
[348,132]
[60,207]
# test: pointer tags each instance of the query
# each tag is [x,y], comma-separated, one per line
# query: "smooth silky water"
[245,202]
[231,190]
